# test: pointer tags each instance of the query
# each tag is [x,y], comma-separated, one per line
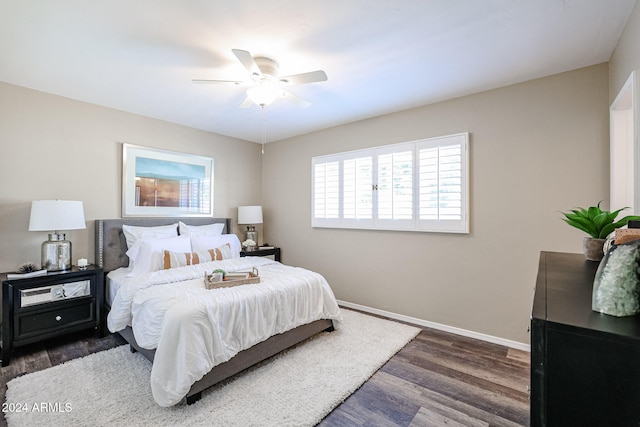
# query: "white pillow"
[146,254]
[201,230]
[203,243]
[133,233]
[181,259]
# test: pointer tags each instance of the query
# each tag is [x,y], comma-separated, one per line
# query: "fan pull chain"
[264,129]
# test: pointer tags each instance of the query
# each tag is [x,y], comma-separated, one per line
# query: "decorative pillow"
[181,259]
[146,254]
[201,230]
[133,232]
[202,243]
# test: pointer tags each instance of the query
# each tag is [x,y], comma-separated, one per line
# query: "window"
[420,185]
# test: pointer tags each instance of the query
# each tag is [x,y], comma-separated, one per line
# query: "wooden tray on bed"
[228,283]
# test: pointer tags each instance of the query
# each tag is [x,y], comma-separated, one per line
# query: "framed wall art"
[165,183]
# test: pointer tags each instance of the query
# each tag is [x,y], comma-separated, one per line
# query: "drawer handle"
[58,318]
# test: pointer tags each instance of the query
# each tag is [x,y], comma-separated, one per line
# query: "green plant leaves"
[581,223]
[596,222]
[593,212]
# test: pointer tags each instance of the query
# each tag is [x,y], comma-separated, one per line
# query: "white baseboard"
[458,331]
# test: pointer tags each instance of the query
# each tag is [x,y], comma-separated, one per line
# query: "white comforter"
[194,329]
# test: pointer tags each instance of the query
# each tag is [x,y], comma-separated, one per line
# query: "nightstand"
[47,306]
[263,252]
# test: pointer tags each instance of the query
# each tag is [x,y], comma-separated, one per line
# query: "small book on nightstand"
[266,247]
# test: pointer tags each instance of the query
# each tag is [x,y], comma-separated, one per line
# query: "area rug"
[296,388]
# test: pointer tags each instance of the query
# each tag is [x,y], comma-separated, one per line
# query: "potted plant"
[598,224]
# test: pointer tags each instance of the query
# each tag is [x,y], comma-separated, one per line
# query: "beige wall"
[536,148]
[626,56]
[58,148]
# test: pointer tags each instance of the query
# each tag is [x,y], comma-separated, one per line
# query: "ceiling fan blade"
[227,82]
[303,103]
[246,103]
[247,60]
[310,77]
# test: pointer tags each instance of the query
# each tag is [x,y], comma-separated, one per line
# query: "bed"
[158,312]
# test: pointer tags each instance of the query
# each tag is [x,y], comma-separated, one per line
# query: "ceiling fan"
[265,84]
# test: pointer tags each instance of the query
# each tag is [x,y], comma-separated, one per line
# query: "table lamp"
[250,215]
[56,215]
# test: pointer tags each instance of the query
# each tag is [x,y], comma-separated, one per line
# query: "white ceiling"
[381,56]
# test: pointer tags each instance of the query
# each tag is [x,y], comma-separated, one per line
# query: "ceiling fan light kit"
[266,85]
[264,93]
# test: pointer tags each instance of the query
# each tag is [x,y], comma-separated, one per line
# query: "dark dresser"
[585,366]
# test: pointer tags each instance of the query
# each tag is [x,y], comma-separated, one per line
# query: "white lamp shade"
[54,215]
[249,214]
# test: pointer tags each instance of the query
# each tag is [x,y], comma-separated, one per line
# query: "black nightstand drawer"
[44,321]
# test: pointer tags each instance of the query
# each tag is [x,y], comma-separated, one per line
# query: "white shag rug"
[296,388]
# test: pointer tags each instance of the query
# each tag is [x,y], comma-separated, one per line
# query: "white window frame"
[414,223]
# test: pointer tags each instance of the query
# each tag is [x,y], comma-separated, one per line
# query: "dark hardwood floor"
[441,379]
[438,379]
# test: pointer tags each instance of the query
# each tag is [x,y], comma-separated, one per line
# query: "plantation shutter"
[415,186]
[358,192]
[326,191]
[394,186]
[342,190]
[442,164]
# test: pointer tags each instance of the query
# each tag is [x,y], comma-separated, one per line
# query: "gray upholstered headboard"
[111,246]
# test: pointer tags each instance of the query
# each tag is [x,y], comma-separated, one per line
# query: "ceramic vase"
[593,248]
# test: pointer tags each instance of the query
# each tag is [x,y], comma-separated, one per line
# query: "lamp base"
[56,253]
[252,234]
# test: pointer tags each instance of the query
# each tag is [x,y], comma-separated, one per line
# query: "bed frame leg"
[194,398]
[330,328]
[133,350]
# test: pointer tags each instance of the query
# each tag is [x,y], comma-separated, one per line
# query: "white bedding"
[194,329]
[113,282]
